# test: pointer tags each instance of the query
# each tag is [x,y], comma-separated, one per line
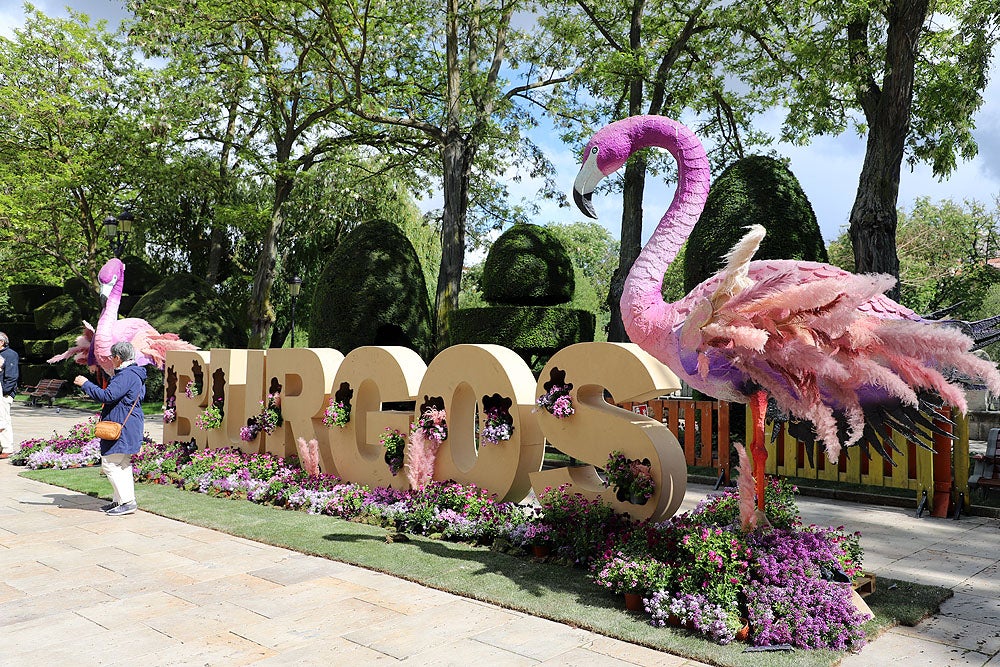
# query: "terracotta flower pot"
[743,633]
[633,601]
[540,550]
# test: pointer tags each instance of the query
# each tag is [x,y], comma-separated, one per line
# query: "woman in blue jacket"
[123,404]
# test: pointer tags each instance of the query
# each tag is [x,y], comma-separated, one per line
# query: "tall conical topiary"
[528,279]
[372,292]
[754,190]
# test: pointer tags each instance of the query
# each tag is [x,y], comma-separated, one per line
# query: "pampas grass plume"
[745,486]
[309,455]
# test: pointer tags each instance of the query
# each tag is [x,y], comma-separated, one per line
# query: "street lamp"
[117,230]
[294,286]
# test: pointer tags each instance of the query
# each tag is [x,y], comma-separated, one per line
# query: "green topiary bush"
[190,307]
[25,298]
[372,292]
[520,328]
[140,276]
[534,332]
[755,190]
[528,266]
[57,315]
[84,297]
[526,273]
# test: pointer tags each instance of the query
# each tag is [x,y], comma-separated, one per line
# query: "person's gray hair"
[123,350]
[4,341]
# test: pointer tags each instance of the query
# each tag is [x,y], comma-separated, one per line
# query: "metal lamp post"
[117,230]
[294,286]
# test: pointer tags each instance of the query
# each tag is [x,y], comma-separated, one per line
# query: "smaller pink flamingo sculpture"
[93,347]
[827,345]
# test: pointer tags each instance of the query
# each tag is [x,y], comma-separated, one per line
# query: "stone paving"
[80,588]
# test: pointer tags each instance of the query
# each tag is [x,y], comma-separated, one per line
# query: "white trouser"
[7,434]
[118,468]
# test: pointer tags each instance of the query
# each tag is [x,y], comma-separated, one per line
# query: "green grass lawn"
[541,589]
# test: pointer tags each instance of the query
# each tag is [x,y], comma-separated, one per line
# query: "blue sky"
[827,169]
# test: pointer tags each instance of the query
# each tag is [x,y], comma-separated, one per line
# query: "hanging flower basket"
[394,443]
[170,410]
[338,413]
[557,401]
[211,417]
[267,420]
[497,427]
[631,478]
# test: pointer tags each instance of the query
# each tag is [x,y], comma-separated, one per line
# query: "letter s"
[598,428]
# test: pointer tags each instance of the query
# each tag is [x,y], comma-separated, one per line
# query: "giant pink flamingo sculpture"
[827,345]
[151,346]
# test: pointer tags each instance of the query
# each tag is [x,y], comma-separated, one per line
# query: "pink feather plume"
[421,453]
[309,455]
[745,486]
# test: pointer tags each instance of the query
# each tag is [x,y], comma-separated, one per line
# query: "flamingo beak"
[106,292]
[583,188]
[584,203]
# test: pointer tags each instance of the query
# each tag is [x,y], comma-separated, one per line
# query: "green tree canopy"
[944,253]
[593,249]
[908,74]
[77,133]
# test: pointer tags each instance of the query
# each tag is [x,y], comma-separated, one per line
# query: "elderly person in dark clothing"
[9,375]
[122,403]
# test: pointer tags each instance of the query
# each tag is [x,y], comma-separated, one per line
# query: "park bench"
[45,389]
[986,472]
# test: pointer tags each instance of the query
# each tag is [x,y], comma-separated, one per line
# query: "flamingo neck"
[103,337]
[642,302]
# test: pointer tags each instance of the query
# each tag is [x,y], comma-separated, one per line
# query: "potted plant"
[433,425]
[632,576]
[631,478]
[539,536]
[211,417]
[170,410]
[267,420]
[694,612]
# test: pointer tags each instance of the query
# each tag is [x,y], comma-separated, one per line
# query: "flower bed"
[698,570]
[76,449]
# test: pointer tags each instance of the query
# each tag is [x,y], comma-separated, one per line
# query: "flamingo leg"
[758,408]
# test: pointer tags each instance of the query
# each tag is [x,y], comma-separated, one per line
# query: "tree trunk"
[260,310]
[456,156]
[631,243]
[635,182]
[873,217]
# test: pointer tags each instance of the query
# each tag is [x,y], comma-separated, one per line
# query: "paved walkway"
[81,588]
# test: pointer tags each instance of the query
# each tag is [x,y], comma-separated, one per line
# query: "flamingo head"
[110,275]
[603,155]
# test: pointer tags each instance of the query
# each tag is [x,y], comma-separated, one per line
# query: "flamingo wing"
[824,343]
[150,345]
[81,348]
